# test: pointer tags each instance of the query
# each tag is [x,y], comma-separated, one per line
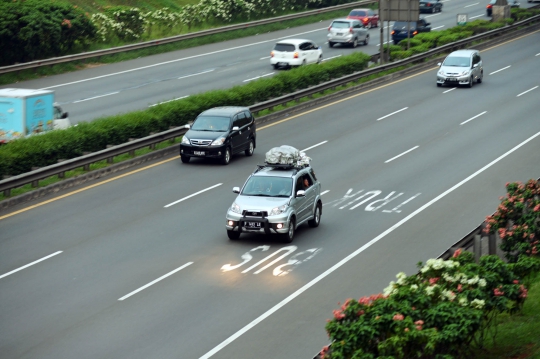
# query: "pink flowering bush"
[439,312]
[517,220]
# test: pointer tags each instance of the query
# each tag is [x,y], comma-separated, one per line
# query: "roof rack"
[282,166]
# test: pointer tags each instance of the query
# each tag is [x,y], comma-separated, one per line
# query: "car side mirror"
[187,126]
[475,65]
[300,193]
[236,189]
[235,128]
[439,64]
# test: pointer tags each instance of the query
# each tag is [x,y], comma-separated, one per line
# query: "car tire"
[330,44]
[226,157]
[439,85]
[316,217]
[275,66]
[304,63]
[481,78]
[289,236]
[233,235]
[185,159]
[366,40]
[319,60]
[250,149]
[471,82]
[355,42]
[433,10]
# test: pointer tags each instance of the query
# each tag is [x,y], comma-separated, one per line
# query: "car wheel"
[233,235]
[316,217]
[355,42]
[366,40]
[330,44]
[480,78]
[275,66]
[439,85]
[471,82]
[226,157]
[250,149]
[304,63]
[185,159]
[319,60]
[433,10]
[288,237]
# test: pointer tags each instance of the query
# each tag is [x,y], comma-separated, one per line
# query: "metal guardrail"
[6,185]
[167,40]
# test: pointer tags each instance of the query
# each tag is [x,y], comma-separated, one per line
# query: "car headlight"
[185,140]
[218,142]
[441,72]
[278,210]
[236,208]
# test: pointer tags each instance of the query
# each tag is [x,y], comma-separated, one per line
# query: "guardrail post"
[132,152]
[86,167]
[153,145]
[63,173]
[492,244]
[110,159]
[7,192]
[171,140]
[477,247]
[35,183]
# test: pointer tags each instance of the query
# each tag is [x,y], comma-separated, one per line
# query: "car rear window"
[284,47]
[357,13]
[402,25]
[341,24]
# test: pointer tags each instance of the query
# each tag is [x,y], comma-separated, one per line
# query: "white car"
[295,52]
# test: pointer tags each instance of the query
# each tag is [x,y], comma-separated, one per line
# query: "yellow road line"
[261,128]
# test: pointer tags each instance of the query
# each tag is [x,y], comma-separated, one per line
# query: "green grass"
[517,336]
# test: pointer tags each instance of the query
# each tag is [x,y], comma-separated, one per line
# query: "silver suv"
[275,199]
[462,67]
[347,32]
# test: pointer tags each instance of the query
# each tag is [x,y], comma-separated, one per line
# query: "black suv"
[399,30]
[219,133]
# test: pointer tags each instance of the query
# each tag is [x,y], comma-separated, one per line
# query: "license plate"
[198,153]
[451,80]
[252,224]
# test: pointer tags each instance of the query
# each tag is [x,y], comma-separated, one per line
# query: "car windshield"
[211,123]
[266,186]
[456,61]
[357,13]
[284,47]
[341,25]
[402,25]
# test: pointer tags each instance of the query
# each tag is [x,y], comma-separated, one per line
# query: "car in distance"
[489,6]
[275,199]
[431,6]
[347,32]
[295,52]
[368,17]
[461,67]
[402,28]
[220,132]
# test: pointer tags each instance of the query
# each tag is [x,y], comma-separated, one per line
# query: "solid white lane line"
[476,3]
[198,73]
[401,154]
[474,17]
[333,57]
[159,103]
[452,89]
[339,264]
[438,27]
[155,281]
[472,118]
[504,68]
[192,195]
[258,77]
[29,264]
[309,148]
[323,192]
[393,113]
[523,93]
[93,98]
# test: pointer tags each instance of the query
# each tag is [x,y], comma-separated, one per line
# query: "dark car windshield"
[457,61]
[284,47]
[341,24]
[211,123]
[358,13]
[402,25]
[266,186]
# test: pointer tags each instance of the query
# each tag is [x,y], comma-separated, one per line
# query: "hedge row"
[21,155]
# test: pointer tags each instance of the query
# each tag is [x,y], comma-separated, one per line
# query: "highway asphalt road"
[137,84]
[141,267]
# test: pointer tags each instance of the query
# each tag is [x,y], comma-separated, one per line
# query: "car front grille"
[201,142]
[255,213]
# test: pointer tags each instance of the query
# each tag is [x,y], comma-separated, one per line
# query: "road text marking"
[393,158]
[192,195]
[30,264]
[155,281]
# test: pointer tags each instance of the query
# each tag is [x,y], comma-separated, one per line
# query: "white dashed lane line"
[393,113]
[523,93]
[472,118]
[504,68]
[193,195]
[401,154]
[29,264]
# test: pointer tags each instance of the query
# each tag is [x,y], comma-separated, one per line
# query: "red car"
[367,16]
